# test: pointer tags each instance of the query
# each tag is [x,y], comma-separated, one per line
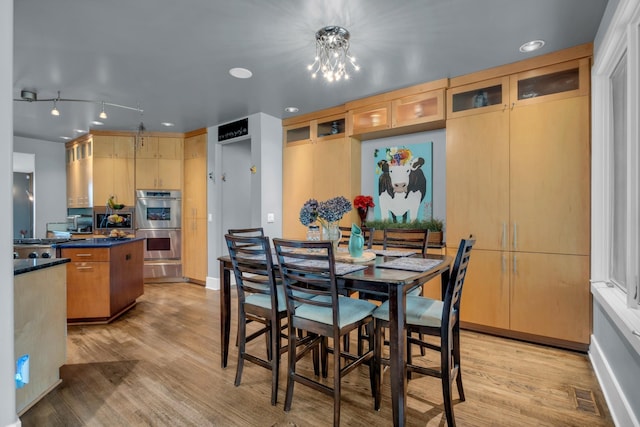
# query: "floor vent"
[585,401]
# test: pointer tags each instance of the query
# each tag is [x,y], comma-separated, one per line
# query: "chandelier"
[332,54]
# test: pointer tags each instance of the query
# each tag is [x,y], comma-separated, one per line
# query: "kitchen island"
[40,327]
[104,277]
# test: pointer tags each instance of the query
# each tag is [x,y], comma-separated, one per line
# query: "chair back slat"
[308,272]
[252,266]
[246,232]
[406,238]
[458,273]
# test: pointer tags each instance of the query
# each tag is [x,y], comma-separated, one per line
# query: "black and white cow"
[401,189]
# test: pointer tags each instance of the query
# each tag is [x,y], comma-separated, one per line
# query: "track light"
[103,115]
[55,111]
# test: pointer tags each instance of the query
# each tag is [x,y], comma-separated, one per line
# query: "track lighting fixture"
[54,111]
[31,96]
[103,115]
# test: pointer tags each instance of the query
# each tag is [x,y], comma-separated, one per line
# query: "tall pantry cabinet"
[518,175]
[319,161]
[194,211]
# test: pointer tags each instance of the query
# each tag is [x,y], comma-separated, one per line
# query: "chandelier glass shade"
[332,54]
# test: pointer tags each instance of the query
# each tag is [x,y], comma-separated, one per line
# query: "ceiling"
[171,58]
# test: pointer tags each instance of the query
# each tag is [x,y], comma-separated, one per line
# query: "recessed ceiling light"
[291,109]
[65,137]
[97,123]
[79,130]
[167,124]
[240,73]
[531,46]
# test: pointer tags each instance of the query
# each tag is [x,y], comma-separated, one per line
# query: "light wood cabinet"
[103,281]
[113,169]
[404,111]
[79,168]
[322,164]
[518,181]
[194,216]
[159,163]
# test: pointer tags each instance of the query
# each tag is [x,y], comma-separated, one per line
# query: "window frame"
[622,38]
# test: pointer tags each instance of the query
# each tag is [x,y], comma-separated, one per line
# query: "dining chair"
[406,238]
[309,267]
[246,232]
[434,318]
[367,233]
[259,300]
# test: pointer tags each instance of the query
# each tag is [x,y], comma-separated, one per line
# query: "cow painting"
[402,186]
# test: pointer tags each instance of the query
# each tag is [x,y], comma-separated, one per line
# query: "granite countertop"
[21,266]
[105,242]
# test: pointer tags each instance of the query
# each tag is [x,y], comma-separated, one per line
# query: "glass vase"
[332,232]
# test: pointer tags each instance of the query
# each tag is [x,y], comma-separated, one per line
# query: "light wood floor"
[159,365]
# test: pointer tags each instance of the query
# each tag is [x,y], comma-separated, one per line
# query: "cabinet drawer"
[86,254]
[88,290]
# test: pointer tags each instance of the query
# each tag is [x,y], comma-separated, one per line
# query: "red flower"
[363,202]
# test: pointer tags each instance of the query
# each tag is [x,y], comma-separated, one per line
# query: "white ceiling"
[172,58]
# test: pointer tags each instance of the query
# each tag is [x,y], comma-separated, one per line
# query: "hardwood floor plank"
[159,365]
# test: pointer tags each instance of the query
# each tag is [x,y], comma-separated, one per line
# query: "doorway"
[236,185]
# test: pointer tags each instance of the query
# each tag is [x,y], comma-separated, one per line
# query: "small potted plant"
[362,204]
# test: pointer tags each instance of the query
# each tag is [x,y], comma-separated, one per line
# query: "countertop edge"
[21,266]
[96,243]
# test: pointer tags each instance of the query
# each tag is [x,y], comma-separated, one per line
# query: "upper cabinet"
[557,81]
[159,163]
[371,118]
[113,169]
[79,164]
[413,109]
[416,109]
[481,97]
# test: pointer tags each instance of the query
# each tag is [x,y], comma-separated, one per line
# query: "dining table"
[382,277]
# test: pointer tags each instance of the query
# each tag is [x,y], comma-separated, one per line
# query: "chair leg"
[241,338]
[323,355]
[291,368]
[275,359]
[445,369]
[456,361]
[337,380]
[377,363]
[372,364]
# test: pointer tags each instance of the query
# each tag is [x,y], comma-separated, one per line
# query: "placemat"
[346,257]
[393,252]
[411,264]
[341,267]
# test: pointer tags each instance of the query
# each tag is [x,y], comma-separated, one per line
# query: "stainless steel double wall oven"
[158,220]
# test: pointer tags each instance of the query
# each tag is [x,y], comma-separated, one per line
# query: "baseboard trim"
[212,283]
[619,406]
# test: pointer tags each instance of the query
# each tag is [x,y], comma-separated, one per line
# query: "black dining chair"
[259,300]
[246,232]
[309,267]
[406,238]
[434,318]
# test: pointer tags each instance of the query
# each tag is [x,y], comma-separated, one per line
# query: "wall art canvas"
[404,183]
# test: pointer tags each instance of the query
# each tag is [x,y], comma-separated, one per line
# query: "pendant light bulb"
[103,115]
[54,111]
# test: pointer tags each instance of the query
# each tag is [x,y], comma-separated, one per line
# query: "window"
[618,263]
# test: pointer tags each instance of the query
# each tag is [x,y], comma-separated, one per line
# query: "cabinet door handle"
[513,104]
[503,243]
[515,265]
[84,268]
[515,236]
[504,263]
[84,255]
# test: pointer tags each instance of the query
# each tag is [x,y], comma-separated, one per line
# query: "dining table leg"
[397,353]
[225,312]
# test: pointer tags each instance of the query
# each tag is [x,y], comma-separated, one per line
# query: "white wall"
[7,364]
[439,164]
[50,181]
[265,133]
